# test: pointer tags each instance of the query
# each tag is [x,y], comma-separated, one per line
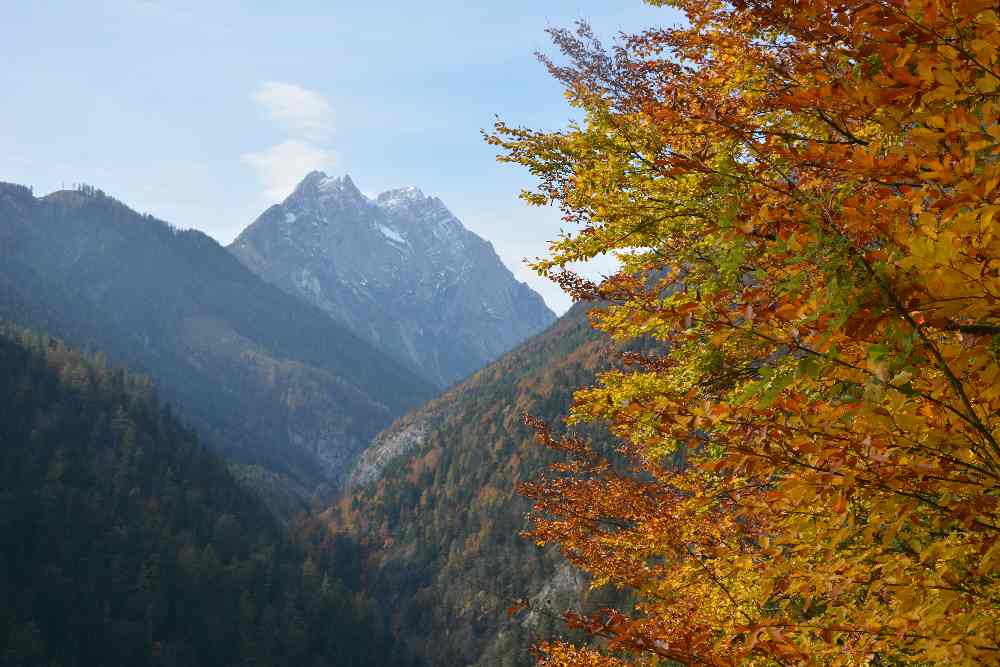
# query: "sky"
[205,113]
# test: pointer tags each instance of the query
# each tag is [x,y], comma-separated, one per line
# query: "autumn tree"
[803,198]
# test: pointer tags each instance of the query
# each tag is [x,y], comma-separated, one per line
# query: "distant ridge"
[265,378]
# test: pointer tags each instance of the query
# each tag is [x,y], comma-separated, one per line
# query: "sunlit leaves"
[804,195]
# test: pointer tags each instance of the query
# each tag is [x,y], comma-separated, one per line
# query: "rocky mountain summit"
[400,270]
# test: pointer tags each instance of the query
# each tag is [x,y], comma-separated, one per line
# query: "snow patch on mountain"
[392,234]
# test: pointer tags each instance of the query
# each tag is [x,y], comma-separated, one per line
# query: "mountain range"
[309,354]
[341,313]
[399,270]
[266,378]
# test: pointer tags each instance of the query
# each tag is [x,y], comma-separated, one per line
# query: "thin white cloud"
[296,109]
[281,167]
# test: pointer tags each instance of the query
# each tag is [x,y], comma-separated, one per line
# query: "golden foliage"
[803,196]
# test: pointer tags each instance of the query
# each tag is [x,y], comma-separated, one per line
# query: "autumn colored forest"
[803,198]
[770,438]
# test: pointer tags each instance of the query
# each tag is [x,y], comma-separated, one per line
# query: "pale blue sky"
[203,113]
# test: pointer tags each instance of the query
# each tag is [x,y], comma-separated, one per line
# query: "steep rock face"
[399,270]
[387,447]
[263,376]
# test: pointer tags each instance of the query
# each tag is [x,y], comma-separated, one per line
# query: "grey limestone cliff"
[400,270]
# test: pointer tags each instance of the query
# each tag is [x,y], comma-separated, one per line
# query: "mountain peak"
[401,196]
[341,184]
[311,181]
[317,184]
[399,269]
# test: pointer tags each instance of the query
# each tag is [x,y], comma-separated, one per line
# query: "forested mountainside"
[434,505]
[262,376]
[400,270]
[123,541]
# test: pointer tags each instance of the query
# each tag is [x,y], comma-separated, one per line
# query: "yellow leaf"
[987,83]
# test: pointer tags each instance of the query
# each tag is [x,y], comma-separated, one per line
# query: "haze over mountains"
[265,377]
[292,353]
[400,270]
[403,299]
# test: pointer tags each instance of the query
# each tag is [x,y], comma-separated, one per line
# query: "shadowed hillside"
[123,541]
